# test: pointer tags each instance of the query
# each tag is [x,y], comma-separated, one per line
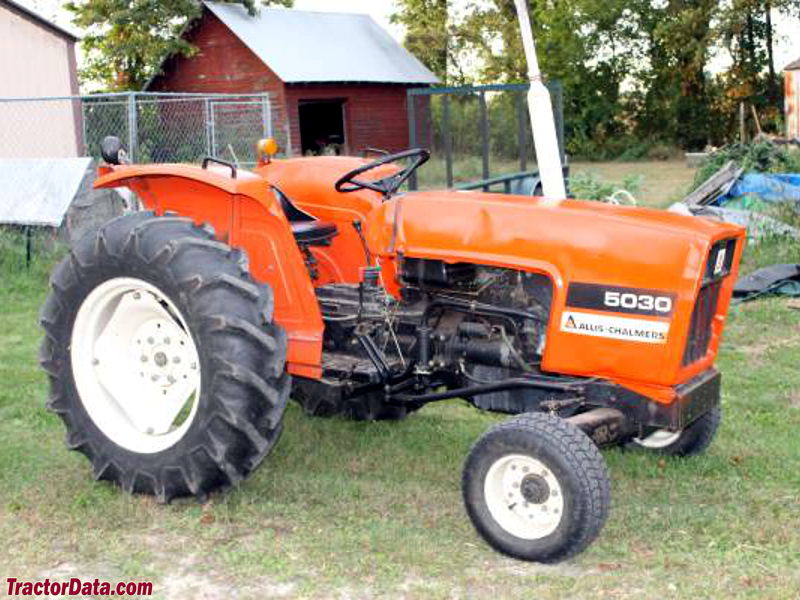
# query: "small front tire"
[536,488]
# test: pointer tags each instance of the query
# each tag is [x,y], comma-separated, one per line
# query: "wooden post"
[742,124]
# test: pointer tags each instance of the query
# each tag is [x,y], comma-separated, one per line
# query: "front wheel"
[536,488]
[163,360]
[693,440]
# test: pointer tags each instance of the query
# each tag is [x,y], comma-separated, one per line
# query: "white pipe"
[540,108]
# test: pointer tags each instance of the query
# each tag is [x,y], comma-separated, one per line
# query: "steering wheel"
[390,184]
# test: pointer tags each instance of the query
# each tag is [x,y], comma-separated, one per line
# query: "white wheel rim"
[135,365]
[507,490]
[660,438]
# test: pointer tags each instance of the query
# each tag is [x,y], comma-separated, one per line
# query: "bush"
[590,186]
[761,156]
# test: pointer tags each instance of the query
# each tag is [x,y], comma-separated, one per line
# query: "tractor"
[176,335]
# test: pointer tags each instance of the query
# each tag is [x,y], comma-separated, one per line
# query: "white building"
[37,58]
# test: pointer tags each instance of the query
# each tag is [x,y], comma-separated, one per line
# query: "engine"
[454,323]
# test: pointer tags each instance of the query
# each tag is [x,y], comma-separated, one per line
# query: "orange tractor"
[175,336]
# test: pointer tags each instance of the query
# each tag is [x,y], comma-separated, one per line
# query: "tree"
[127,40]
[428,36]
[587,45]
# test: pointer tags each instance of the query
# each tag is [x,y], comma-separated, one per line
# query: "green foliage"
[762,156]
[588,185]
[45,249]
[427,38]
[634,72]
[127,40]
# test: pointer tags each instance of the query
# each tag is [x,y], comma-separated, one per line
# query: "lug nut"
[171,379]
[144,358]
[154,378]
[95,361]
[151,340]
[176,359]
[166,340]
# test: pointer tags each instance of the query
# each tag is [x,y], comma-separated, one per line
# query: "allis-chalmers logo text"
[618,328]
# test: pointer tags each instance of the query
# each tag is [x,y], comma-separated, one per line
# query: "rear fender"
[245,214]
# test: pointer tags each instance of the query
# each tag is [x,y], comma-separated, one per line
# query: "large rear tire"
[164,363]
[536,488]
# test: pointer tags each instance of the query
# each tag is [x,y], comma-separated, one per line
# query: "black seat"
[314,233]
[307,229]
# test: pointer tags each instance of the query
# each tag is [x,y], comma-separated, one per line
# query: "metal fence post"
[133,126]
[212,120]
[484,136]
[412,133]
[522,139]
[448,142]
[28,246]
[85,150]
[207,110]
[266,113]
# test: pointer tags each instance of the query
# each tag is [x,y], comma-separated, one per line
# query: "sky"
[787,48]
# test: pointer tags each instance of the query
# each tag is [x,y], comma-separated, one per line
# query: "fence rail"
[487,124]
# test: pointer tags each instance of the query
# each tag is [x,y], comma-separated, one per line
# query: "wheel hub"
[534,489]
[524,496]
[165,358]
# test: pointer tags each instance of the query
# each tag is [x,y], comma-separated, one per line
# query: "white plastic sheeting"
[39,191]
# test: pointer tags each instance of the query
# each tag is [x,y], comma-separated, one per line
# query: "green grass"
[661,182]
[360,510]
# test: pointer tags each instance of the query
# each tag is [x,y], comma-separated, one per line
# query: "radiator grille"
[718,266]
[700,329]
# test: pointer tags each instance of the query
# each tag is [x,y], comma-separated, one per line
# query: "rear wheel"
[693,440]
[164,363]
[536,488]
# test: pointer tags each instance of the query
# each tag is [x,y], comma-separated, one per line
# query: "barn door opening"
[322,127]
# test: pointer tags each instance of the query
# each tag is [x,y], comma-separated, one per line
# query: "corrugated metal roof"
[39,191]
[793,66]
[301,46]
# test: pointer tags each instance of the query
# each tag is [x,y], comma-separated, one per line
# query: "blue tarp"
[767,188]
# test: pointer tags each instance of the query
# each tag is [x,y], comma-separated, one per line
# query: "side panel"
[247,216]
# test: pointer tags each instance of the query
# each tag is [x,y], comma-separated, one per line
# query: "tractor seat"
[314,233]
[307,230]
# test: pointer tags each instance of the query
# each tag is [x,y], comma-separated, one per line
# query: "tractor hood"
[520,230]
[646,254]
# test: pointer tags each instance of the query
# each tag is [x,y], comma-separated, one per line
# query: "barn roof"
[793,66]
[38,19]
[314,47]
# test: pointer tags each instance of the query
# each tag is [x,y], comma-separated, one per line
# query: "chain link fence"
[155,127]
[45,199]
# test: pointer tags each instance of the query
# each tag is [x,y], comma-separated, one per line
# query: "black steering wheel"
[388,185]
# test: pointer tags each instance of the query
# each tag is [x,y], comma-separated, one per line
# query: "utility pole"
[540,108]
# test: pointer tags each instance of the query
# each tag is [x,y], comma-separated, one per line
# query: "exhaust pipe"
[540,109]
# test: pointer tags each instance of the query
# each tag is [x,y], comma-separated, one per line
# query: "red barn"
[336,79]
